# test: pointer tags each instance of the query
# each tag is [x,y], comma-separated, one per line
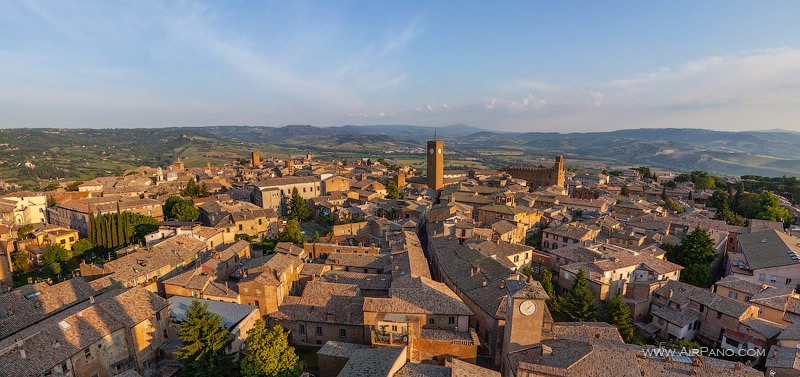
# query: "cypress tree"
[100,227]
[92,230]
[109,240]
[120,230]
[126,228]
[113,230]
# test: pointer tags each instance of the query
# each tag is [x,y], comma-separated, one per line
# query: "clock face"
[439,151]
[527,307]
[430,151]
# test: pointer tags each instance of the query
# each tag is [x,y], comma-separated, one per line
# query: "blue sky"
[513,65]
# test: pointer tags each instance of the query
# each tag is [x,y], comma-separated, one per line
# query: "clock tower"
[435,153]
[524,317]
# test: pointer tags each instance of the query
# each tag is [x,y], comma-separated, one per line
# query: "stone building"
[540,176]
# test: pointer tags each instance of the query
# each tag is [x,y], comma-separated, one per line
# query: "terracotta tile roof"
[324,302]
[459,263]
[363,281]
[604,358]
[418,296]
[30,304]
[374,362]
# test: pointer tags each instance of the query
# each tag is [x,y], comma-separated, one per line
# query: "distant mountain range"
[85,153]
[770,153]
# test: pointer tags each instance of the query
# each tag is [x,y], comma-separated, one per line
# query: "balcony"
[387,338]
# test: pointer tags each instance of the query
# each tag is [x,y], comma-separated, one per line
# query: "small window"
[394,328]
[516,258]
[302,329]
[259,221]
[342,333]
[240,226]
[319,331]
[733,295]
[760,277]
[719,315]
[788,281]
[87,352]
[451,320]
[158,316]
[431,321]
[773,279]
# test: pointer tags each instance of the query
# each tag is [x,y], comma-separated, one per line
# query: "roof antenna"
[434,134]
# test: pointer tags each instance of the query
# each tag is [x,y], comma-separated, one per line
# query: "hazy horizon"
[516,66]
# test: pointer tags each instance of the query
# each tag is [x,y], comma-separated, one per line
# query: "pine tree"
[298,208]
[269,354]
[579,305]
[291,233]
[619,315]
[392,192]
[205,341]
[697,274]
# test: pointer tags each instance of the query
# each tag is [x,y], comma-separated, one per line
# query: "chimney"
[91,300]
[22,353]
[502,283]
[484,283]
[336,278]
[56,344]
[546,350]
[738,366]
[669,294]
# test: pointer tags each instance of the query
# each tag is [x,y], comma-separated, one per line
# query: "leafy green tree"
[720,200]
[74,186]
[298,208]
[291,233]
[52,268]
[25,232]
[697,274]
[55,254]
[269,354]
[184,211]
[730,217]
[20,261]
[195,191]
[315,239]
[80,247]
[391,191]
[205,343]
[243,236]
[579,304]
[696,247]
[771,208]
[625,191]
[618,314]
